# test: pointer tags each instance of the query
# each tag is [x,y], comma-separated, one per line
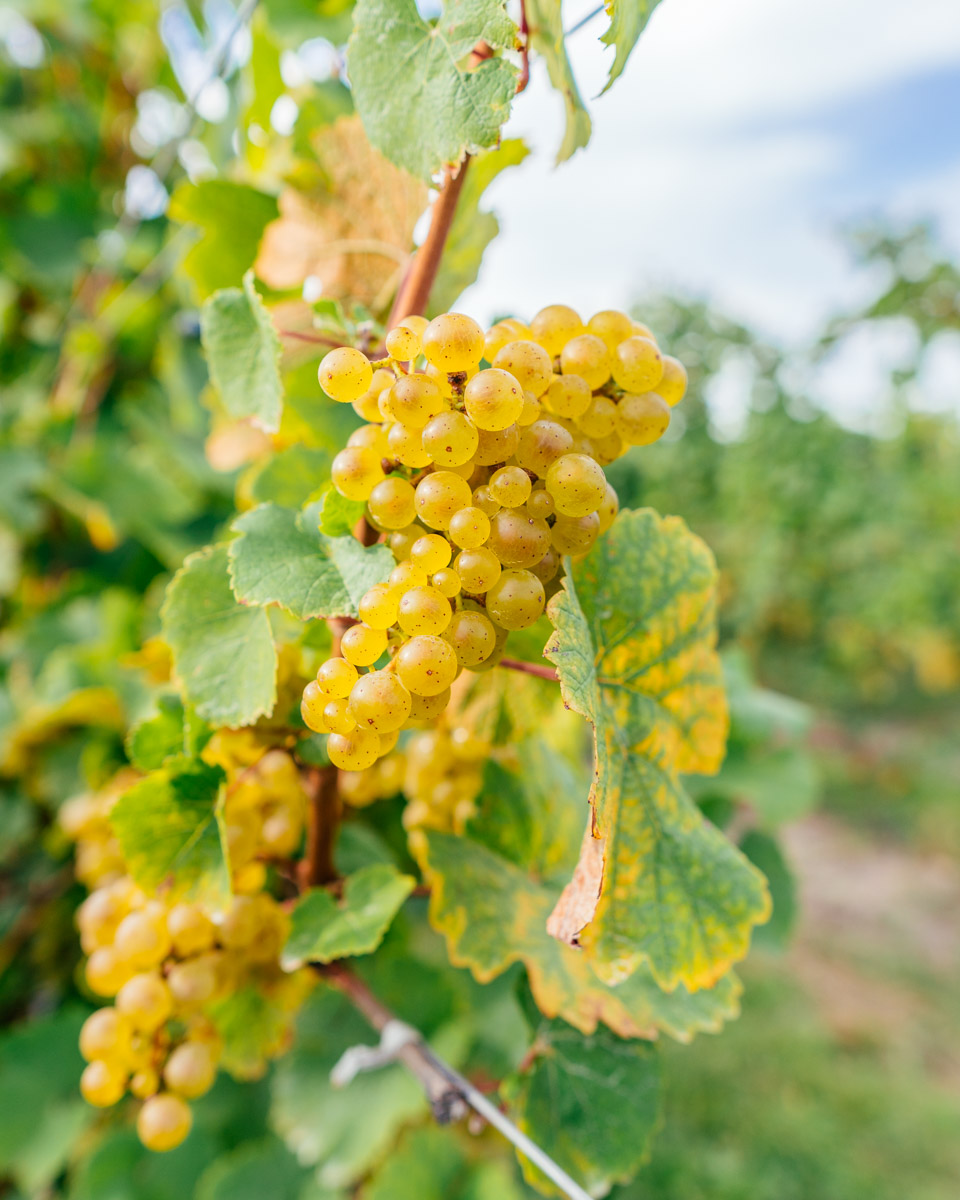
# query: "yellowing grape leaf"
[628,19]
[323,929]
[545,22]
[420,104]
[634,647]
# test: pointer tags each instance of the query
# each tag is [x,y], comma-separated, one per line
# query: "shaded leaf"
[765,853]
[628,19]
[545,21]
[291,476]
[252,1171]
[323,928]
[338,515]
[431,1164]
[232,217]
[169,733]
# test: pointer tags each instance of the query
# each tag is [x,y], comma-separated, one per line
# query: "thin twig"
[524,49]
[585,20]
[310,337]
[529,668]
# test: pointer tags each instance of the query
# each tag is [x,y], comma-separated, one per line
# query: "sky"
[744,136]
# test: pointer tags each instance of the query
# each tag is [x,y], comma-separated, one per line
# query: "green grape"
[194,983]
[453,342]
[345,374]
[336,677]
[577,485]
[510,486]
[672,385]
[554,326]
[431,553]
[362,645]
[493,399]
[354,751]
[518,539]
[190,929]
[423,610]
[611,327]
[406,446]
[575,535]
[485,500]
[496,445]
[392,504]
[588,357]
[643,419]
[531,410]
[142,938]
[547,567]
[540,504]
[498,335]
[609,507]
[428,708]
[103,1083]
[415,400]
[529,364]
[427,665]
[145,1001]
[637,365]
[378,605]
[450,439]
[568,396]
[472,636]
[106,1035]
[380,702]
[405,575]
[600,418]
[440,495]
[164,1122]
[447,582]
[368,405]
[338,716]
[479,570]
[402,344]
[516,600]
[356,471]
[469,528]
[541,444]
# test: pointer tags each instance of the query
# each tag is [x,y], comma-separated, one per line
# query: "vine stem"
[542,671]
[317,866]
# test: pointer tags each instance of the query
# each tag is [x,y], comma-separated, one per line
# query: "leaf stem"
[540,670]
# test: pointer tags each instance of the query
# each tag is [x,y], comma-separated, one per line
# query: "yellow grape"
[440,495]
[577,484]
[518,539]
[391,504]
[637,365]
[496,445]
[479,570]
[453,342]
[554,326]
[450,439]
[516,600]
[472,636]
[643,419]
[145,1001]
[541,444]
[105,1034]
[493,399]
[599,419]
[426,665]
[356,471]
[362,645]
[164,1122]
[336,677]
[673,382]
[415,400]
[402,343]
[406,446]
[611,326]
[378,605]
[447,582]
[407,574]
[568,396]
[380,702]
[190,929]
[354,751]
[191,1069]
[431,553]
[424,610]
[510,486]
[528,363]
[469,528]
[338,717]
[103,1082]
[345,374]
[586,356]
[575,535]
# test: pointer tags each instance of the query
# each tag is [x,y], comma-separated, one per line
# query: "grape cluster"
[480,478]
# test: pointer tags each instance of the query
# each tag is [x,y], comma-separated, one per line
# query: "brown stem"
[310,337]
[529,668]
[524,49]
[317,866]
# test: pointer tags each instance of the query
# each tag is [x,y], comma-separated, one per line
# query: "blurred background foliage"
[840,617]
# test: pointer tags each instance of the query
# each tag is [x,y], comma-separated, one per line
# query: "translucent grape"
[368,405]
[430,552]
[588,357]
[380,702]
[568,396]
[607,512]
[496,445]
[406,446]
[336,677]
[407,575]
[516,600]
[424,610]
[415,400]
[453,342]
[485,500]
[518,539]
[608,449]
[338,717]
[378,605]
[642,419]
[447,581]
[554,326]
[371,436]
[547,567]
[194,983]
[493,399]
[509,330]
[599,419]
[575,535]
[528,363]
[415,322]
[345,374]
[164,1122]
[427,665]
[478,570]
[356,471]
[541,444]
[637,365]
[439,495]
[577,484]
[105,1034]
[103,1083]
[450,439]
[531,410]
[402,343]
[354,751]
[641,330]
[144,1083]
[105,971]
[362,645]
[391,504]
[470,527]
[672,385]
[611,327]
[540,503]
[142,938]
[428,708]
[190,929]
[510,486]
[472,636]
[145,1001]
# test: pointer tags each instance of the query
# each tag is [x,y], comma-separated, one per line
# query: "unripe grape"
[191,1069]
[406,575]
[392,504]
[643,419]
[577,485]
[447,582]
[528,363]
[540,503]
[144,1083]
[599,419]
[415,400]
[479,570]
[345,374]
[380,702]
[453,342]
[354,751]
[105,1034]
[106,972]
[356,471]
[338,717]
[469,528]
[336,677]
[496,445]
[637,365]
[194,983]
[423,610]
[554,326]
[402,343]
[547,567]
[485,500]
[142,937]
[428,708]
[472,636]
[362,646]
[493,399]
[516,600]
[190,929]
[510,486]
[368,405]
[541,444]
[575,535]
[103,1082]
[517,539]
[145,1001]
[164,1122]
[611,326]
[450,439]
[406,446]
[673,383]
[430,552]
[426,665]
[440,495]
[610,506]
[588,357]
[568,396]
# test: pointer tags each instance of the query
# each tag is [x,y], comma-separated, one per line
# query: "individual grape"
[145,1001]
[354,751]
[362,645]
[611,327]
[575,535]
[241,923]
[672,385]
[588,357]
[372,436]
[498,335]
[479,570]
[510,486]
[637,365]
[540,504]
[453,342]
[401,542]
[531,410]
[496,445]
[105,971]
[577,484]
[608,449]
[416,322]
[450,439]
[485,500]
[368,405]
[529,364]
[407,574]
[440,495]
[610,506]
[643,419]
[388,741]
[103,1082]
[428,708]
[191,1069]
[517,539]
[378,605]
[430,552]
[599,420]
[493,399]
[406,446]
[641,330]
[516,600]
[98,917]
[106,1035]
[164,1122]
[338,716]
[391,504]
[356,471]
[385,405]
[547,567]
[345,374]
[336,677]
[541,444]
[190,929]
[415,400]
[380,702]
[142,938]
[402,344]
[195,982]
[144,1083]
[450,383]
[426,665]
[554,326]
[472,636]
[424,610]
[467,471]
[469,528]
[447,581]
[359,788]
[280,834]
[568,396]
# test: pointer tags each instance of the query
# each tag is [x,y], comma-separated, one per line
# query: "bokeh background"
[775,190]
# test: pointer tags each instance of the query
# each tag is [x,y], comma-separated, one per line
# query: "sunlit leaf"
[324,928]
[545,19]
[628,19]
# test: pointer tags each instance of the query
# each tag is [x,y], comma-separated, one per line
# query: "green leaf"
[634,647]
[223,653]
[251,1022]
[292,476]
[323,929]
[545,21]
[232,218]
[243,354]
[628,19]
[472,229]
[170,830]
[430,1164]
[765,853]
[253,1171]
[170,733]
[281,557]
[338,515]
[591,1102]
[410,74]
